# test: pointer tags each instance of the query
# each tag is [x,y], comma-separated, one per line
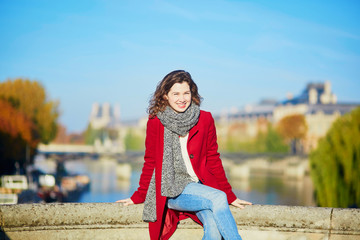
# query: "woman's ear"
[165,97]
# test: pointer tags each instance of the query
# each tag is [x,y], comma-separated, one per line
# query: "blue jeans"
[212,209]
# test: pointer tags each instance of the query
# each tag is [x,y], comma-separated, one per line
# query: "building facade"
[104,117]
[317,103]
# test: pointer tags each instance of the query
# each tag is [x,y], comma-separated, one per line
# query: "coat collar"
[195,129]
[193,132]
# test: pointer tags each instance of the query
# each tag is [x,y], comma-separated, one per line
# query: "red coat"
[203,151]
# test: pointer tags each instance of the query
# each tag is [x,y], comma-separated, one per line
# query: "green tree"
[267,141]
[133,141]
[335,164]
[27,117]
[273,141]
[90,135]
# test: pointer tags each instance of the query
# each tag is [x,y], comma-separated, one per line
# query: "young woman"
[182,174]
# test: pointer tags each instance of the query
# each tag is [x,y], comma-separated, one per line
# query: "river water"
[111,181]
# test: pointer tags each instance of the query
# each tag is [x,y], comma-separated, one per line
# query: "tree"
[14,123]
[134,141]
[267,140]
[90,135]
[273,142]
[33,120]
[15,135]
[29,97]
[335,164]
[293,128]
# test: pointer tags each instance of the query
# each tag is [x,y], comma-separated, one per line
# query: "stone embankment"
[292,167]
[114,221]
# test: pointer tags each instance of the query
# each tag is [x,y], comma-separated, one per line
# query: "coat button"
[191,156]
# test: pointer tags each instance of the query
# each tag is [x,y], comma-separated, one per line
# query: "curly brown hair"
[158,103]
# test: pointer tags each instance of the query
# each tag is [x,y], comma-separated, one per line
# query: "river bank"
[113,179]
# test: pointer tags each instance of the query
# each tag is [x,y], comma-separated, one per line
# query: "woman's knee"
[219,198]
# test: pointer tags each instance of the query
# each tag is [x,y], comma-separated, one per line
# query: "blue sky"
[238,52]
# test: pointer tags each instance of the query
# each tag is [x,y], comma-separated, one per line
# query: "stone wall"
[114,221]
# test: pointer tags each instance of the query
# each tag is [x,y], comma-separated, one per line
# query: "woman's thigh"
[196,197]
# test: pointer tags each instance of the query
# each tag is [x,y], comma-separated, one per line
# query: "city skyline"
[237,52]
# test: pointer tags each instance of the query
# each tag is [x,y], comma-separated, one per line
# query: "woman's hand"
[126,202]
[240,203]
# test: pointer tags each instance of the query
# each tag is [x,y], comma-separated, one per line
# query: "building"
[104,116]
[317,103]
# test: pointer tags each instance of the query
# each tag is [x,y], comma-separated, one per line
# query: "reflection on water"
[275,190]
[111,181]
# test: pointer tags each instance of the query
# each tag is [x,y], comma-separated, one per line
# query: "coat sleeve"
[149,162]
[214,163]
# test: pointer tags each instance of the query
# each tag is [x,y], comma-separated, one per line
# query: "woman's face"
[179,97]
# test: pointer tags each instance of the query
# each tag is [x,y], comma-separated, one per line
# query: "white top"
[185,155]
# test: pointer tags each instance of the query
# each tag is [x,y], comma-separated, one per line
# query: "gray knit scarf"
[174,175]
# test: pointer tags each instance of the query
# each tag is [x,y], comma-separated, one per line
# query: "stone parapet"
[114,221]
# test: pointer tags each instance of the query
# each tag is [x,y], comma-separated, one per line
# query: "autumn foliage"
[14,122]
[27,118]
[293,128]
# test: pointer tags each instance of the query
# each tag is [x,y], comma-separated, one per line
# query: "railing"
[114,221]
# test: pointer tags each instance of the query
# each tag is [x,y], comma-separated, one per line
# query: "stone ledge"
[22,219]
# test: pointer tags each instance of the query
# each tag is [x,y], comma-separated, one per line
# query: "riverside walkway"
[114,221]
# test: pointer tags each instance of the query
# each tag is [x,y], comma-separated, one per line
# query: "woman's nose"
[182,98]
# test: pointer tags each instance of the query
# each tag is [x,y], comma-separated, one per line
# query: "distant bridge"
[66,148]
[77,149]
